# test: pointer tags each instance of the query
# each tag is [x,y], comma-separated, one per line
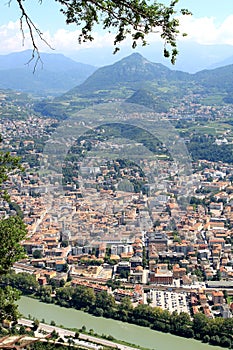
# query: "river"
[137,335]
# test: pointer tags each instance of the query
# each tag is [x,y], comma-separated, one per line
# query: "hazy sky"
[211,23]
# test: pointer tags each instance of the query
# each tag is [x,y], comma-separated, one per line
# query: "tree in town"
[181,324]
[37,254]
[64,296]
[105,301]
[124,309]
[36,324]
[83,297]
[76,336]
[225,342]
[22,281]
[214,340]
[54,334]
[124,18]
[200,325]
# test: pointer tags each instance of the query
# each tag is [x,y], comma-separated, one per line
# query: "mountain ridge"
[136,79]
[133,78]
[131,69]
[54,73]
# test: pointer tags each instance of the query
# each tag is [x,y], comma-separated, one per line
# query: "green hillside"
[136,80]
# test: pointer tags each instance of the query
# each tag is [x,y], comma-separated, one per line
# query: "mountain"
[54,73]
[119,82]
[136,73]
[133,70]
[226,62]
[192,56]
[148,99]
[219,78]
[134,79]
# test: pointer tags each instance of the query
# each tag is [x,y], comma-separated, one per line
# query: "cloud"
[65,40]
[226,30]
[205,31]
[11,37]
[62,40]
[201,30]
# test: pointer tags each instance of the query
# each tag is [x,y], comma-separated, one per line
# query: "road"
[84,339]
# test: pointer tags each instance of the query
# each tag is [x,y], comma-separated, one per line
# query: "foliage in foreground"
[12,232]
[135,19]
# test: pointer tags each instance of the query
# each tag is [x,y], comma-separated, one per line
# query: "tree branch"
[125,17]
[32,29]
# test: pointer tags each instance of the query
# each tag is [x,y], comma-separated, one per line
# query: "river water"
[137,335]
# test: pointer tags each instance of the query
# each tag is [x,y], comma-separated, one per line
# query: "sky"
[211,23]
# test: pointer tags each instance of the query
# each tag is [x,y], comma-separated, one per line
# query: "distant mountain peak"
[131,69]
[135,58]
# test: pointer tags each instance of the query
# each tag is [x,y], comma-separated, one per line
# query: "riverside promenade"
[84,340]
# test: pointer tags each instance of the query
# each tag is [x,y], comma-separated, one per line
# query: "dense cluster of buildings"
[165,253]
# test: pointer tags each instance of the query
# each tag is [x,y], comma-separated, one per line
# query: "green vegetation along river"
[142,336]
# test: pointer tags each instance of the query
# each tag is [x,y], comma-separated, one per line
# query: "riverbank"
[84,339]
[130,333]
[215,331]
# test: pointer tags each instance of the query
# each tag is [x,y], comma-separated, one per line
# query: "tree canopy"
[124,18]
[8,164]
[12,232]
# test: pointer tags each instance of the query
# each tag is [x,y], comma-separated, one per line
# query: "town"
[121,232]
